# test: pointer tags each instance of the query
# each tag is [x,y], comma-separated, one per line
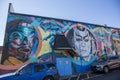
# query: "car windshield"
[20,68]
[102,59]
[113,57]
[51,66]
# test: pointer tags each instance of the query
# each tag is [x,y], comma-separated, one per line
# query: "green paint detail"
[35,23]
[33,59]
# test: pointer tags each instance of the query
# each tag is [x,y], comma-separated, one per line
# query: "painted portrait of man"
[82,41]
[19,42]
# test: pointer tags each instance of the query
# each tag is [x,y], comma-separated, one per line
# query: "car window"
[26,69]
[102,59]
[39,68]
[114,57]
[51,66]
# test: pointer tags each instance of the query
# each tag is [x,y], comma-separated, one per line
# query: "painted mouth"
[24,50]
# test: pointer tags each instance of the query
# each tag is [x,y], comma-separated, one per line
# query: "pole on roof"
[10,9]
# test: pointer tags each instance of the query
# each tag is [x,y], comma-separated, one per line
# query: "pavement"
[112,75]
[109,76]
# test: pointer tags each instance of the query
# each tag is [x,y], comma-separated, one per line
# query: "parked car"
[106,63]
[35,71]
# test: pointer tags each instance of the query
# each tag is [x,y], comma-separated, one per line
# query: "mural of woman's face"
[82,41]
[116,43]
[116,40]
[21,41]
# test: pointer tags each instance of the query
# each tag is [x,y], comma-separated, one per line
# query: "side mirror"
[17,74]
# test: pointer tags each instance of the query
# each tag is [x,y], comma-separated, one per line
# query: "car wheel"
[106,69]
[49,78]
[94,71]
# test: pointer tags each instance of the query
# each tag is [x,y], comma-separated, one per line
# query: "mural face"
[21,39]
[82,42]
[117,45]
[116,41]
[30,39]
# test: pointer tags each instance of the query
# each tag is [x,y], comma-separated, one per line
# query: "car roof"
[40,63]
[114,56]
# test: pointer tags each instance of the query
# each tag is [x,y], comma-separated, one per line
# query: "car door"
[39,71]
[25,73]
[113,62]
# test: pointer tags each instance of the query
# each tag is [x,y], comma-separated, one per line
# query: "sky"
[99,12]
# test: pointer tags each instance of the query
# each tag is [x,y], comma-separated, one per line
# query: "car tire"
[48,78]
[106,69]
[94,71]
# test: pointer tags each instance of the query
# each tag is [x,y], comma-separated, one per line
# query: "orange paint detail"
[40,42]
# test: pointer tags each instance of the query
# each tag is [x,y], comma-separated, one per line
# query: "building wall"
[0,52]
[31,38]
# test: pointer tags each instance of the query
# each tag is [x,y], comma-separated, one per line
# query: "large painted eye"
[15,35]
[78,39]
[86,40]
[114,41]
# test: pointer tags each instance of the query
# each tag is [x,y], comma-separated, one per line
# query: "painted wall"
[30,39]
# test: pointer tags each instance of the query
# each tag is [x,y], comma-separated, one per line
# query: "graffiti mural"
[84,43]
[115,37]
[30,39]
[21,39]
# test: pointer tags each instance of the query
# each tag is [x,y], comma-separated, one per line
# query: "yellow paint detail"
[12,61]
[45,44]
[6,62]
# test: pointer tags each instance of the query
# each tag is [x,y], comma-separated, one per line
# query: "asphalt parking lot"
[112,75]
